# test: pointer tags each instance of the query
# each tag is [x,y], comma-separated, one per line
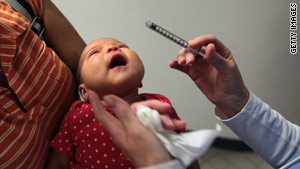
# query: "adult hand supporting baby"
[138,143]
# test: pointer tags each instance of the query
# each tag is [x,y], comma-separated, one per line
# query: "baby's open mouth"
[117,60]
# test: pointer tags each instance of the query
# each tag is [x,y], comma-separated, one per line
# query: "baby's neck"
[130,97]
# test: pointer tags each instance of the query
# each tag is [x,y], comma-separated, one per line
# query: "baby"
[107,66]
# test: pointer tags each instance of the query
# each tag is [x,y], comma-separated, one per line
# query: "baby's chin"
[128,79]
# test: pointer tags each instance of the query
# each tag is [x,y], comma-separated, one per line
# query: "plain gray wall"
[257,32]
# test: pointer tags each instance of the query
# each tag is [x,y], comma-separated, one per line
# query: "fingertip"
[173,63]
[190,58]
[214,58]
[193,42]
[98,109]
[120,108]
[180,124]
[202,41]
[110,100]
[92,96]
[161,107]
[210,53]
[181,60]
[167,123]
[91,93]
[210,50]
[196,42]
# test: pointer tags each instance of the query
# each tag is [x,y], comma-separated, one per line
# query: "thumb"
[214,58]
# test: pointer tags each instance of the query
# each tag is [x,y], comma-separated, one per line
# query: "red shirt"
[83,139]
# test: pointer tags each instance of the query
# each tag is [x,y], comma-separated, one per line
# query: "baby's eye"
[94,52]
[123,46]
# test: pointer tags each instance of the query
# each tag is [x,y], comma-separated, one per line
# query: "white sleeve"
[267,132]
[174,164]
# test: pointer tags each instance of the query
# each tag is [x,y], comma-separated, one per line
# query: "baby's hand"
[163,108]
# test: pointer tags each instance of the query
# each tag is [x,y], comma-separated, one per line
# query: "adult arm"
[218,77]
[267,132]
[61,36]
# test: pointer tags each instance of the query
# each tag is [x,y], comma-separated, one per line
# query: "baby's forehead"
[102,41]
[98,43]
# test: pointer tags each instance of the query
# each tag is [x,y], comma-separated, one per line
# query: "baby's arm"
[57,161]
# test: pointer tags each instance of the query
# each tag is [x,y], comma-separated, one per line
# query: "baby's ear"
[141,85]
[83,92]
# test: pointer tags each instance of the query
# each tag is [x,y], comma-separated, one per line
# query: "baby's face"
[110,67]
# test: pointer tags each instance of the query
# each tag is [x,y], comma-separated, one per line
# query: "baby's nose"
[112,48]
